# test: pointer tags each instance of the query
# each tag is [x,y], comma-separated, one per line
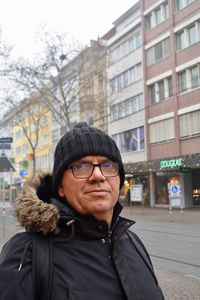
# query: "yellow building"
[31,138]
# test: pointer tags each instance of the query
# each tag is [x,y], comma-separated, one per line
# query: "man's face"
[96,195]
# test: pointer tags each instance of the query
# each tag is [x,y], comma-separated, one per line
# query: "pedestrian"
[95,254]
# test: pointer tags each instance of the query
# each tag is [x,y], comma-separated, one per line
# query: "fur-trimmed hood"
[34,209]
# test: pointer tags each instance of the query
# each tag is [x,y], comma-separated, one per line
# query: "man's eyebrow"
[88,161]
[83,161]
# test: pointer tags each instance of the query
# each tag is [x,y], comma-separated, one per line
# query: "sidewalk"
[187,216]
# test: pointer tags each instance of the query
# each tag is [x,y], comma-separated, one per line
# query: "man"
[94,255]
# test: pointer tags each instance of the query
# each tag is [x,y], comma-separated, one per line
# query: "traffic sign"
[6,140]
[23,173]
[185,169]
[5,146]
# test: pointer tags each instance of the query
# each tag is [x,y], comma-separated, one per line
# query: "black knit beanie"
[81,141]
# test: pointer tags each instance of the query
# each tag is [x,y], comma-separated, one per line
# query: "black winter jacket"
[89,260]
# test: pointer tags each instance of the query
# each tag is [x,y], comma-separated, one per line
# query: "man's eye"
[107,164]
[82,166]
[78,166]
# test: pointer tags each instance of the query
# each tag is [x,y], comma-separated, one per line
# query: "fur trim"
[33,213]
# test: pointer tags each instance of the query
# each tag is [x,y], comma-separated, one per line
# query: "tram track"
[192,238]
[174,260]
[169,232]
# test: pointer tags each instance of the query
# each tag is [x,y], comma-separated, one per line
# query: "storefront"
[171,181]
[130,181]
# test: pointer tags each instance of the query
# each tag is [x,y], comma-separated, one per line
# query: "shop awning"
[5,164]
[192,161]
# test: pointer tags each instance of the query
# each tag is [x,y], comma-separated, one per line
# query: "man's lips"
[98,192]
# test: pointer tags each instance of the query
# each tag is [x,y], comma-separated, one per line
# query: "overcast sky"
[80,19]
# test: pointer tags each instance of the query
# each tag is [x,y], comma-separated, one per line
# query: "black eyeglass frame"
[93,167]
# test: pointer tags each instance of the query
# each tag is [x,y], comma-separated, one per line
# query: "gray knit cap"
[81,141]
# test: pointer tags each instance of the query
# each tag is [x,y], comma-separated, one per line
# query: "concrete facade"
[171,37]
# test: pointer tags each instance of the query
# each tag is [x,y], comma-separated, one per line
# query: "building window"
[190,124]
[44,121]
[192,33]
[188,36]
[194,77]
[130,140]
[126,48]
[126,78]
[180,4]
[46,139]
[101,85]
[181,40]
[160,90]
[18,134]
[158,52]
[127,107]
[90,91]
[157,16]
[42,162]
[189,78]
[18,150]
[182,81]
[162,131]
[25,148]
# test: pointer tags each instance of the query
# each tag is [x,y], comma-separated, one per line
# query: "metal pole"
[10,190]
[4,210]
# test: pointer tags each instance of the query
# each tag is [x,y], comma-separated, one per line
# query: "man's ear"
[61,191]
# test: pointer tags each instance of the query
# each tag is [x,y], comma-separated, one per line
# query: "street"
[172,240]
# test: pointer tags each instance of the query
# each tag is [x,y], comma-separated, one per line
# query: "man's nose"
[97,173]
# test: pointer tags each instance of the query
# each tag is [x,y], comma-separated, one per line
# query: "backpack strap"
[142,251]
[144,254]
[42,265]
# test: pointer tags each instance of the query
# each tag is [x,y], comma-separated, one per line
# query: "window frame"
[155,93]
[151,19]
[164,47]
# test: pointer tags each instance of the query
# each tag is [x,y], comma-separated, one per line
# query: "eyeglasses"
[85,170]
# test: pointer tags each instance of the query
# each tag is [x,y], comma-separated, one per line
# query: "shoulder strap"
[144,254]
[142,251]
[42,265]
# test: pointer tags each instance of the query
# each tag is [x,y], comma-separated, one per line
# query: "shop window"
[196,187]
[162,181]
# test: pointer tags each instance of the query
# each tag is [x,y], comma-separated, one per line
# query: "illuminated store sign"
[172,163]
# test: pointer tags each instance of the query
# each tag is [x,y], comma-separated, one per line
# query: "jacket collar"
[87,225]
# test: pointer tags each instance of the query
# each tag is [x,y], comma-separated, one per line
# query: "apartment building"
[126,114]
[92,85]
[171,68]
[65,109]
[84,99]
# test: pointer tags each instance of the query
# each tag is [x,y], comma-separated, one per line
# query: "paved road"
[8,224]
[172,239]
